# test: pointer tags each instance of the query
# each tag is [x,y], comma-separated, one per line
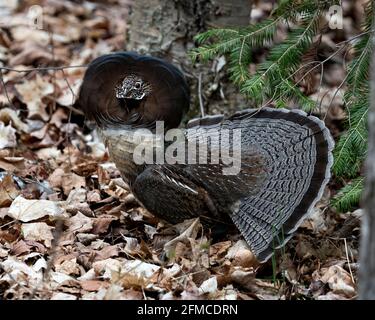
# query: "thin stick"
[43,68]
[69,117]
[54,72]
[200,94]
[5,88]
[355,37]
[347,258]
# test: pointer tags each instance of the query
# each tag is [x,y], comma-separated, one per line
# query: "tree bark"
[166,28]
[367,250]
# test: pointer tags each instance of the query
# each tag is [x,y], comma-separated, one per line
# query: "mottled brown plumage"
[285,155]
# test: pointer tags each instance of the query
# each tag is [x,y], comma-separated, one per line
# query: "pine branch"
[282,61]
[239,61]
[254,36]
[358,72]
[351,148]
[293,9]
[349,196]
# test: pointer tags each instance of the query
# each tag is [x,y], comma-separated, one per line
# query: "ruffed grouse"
[285,155]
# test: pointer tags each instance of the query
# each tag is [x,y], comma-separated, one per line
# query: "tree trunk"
[166,28]
[367,250]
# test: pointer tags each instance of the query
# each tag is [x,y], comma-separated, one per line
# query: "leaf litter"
[69,226]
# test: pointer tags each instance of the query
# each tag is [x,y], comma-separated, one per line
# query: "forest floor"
[70,228]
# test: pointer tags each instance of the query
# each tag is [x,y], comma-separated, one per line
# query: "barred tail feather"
[298,153]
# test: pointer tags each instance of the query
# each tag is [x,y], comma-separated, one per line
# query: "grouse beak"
[123,92]
[126,93]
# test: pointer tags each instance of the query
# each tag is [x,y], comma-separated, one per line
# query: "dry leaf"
[316,221]
[72,181]
[20,248]
[11,164]
[60,278]
[139,268]
[63,296]
[48,153]
[8,115]
[20,272]
[86,238]
[189,229]
[7,136]
[107,252]
[24,33]
[241,255]
[76,196]
[69,93]
[8,191]
[89,275]
[31,93]
[227,293]
[93,285]
[3,252]
[338,280]
[80,223]
[244,278]
[38,231]
[69,267]
[93,196]
[209,286]
[102,223]
[105,268]
[28,210]
[55,179]
[31,53]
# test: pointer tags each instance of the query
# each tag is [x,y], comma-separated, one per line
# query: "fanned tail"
[298,153]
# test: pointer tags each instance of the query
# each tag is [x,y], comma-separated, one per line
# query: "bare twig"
[54,72]
[347,258]
[70,87]
[334,95]
[200,94]
[61,68]
[43,68]
[355,37]
[346,77]
[319,64]
[70,113]
[5,88]
[7,224]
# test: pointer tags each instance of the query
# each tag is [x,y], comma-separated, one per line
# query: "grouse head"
[126,89]
[133,87]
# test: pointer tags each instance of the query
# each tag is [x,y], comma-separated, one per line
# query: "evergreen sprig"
[351,148]
[273,78]
[348,197]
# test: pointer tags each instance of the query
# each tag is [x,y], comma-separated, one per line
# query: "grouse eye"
[138,85]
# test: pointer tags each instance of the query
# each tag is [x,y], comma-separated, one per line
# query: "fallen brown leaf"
[8,191]
[31,93]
